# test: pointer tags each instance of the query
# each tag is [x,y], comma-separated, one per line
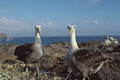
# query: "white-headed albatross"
[110,40]
[87,61]
[30,53]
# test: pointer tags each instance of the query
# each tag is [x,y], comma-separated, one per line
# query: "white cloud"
[90,22]
[17,28]
[4,20]
[95,22]
[50,23]
[14,27]
[47,24]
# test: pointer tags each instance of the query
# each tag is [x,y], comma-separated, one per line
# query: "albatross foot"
[68,75]
[26,68]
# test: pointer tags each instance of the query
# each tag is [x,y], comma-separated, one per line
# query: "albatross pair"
[30,53]
[87,61]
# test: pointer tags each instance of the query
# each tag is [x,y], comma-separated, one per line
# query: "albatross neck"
[37,38]
[73,42]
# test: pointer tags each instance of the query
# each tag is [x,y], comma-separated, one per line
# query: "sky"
[91,17]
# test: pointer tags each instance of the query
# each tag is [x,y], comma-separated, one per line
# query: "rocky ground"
[53,66]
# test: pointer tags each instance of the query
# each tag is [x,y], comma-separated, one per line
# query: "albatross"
[85,61]
[31,53]
[110,40]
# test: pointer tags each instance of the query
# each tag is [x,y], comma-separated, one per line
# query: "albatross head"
[38,28]
[73,42]
[37,34]
[106,37]
[71,29]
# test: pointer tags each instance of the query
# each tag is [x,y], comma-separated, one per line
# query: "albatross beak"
[71,30]
[39,31]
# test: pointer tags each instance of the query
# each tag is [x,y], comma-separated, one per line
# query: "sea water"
[50,40]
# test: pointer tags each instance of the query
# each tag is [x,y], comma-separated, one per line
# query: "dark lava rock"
[54,60]
[91,44]
[8,48]
[61,43]
[116,49]
[111,71]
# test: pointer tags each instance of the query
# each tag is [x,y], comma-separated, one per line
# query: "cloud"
[95,22]
[50,23]
[19,28]
[47,24]
[14,27]
[9,24]
[4,20]
[89,22]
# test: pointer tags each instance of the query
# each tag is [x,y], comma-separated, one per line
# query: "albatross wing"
[87,58]
[23,51]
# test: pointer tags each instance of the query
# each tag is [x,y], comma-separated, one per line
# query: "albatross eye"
[74,27]
[68,27]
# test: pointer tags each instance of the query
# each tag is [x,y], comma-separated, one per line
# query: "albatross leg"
[37,68]
[85,76]
[68,75]
[26,68]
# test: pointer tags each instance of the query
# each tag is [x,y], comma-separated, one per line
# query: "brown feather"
[23,51]
[87,58]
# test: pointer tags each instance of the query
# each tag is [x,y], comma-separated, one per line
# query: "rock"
[3,35]
[90,44]
[8,48]
[53,65]
[116,49]
[59,46]
[110,71]
[5,56]
[0,65]
[61,43]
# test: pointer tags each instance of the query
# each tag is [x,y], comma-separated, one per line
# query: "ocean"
[50,40]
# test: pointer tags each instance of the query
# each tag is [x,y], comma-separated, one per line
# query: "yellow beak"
[38,30]
[71,31]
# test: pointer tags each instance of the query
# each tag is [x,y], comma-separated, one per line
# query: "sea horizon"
[64,36]
[51,39]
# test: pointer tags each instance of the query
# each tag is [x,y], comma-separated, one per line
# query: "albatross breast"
[37,53]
